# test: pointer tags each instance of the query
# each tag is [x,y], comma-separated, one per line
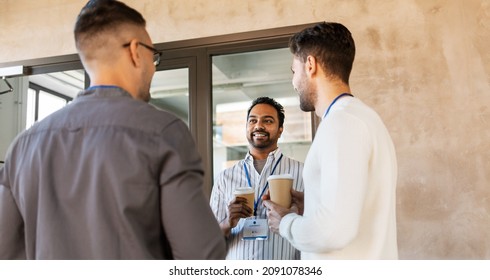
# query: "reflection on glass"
[55,91]
[170,91]
[48,104]
[31,108]
[67,83]
[237,80]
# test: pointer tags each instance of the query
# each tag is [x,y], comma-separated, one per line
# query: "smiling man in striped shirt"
[265,119]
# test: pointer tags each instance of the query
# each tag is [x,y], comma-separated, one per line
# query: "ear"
[134,54]
[280,131]
[311,65]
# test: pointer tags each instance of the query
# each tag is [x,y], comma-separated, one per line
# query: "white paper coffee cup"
[280,189]
[248,194]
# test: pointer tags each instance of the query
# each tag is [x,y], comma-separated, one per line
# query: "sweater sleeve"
[341,153]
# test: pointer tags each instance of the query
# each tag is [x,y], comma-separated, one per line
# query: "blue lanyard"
[335,100]
[256,204]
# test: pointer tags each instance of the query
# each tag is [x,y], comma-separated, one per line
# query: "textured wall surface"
[424,65]
[428,75]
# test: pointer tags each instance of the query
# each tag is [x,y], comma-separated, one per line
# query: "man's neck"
[105,75]
[326,93]
[259,154]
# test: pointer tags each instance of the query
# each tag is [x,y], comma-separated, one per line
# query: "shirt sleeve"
[11,223]
[333,221]
[218,201]
[189,223]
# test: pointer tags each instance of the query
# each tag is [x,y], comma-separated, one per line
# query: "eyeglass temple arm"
[9,85]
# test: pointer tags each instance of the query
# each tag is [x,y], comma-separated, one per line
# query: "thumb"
[266,196]
[268,204]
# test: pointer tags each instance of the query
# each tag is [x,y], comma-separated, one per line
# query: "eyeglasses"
[156,53]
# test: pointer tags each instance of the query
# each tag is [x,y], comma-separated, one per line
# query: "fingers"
[273,217]
[238,209]
[266,196]
[297,201]
[274,225]
[274,210]
[297,195]
[269,204]
[240,202]
[294,208]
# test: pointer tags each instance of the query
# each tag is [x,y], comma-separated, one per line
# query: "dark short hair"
[273,103]
[99,16]
[330,43]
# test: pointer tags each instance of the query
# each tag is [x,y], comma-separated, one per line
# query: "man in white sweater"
[350,171]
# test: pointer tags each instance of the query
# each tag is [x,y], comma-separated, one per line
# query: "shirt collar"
[274,154]
[104,91]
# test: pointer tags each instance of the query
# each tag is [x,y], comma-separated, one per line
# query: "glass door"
[170,91]
[239,78]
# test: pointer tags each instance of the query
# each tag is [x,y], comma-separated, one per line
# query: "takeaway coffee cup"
[248,194]
[280,189]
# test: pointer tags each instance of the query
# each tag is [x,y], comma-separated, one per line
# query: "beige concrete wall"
[424,65]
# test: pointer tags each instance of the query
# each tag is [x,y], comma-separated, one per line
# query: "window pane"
[67,83]
[237,80]
[48,104]
[170,91]
[31,108]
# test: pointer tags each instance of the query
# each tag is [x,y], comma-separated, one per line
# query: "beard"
[307,97]
[306,104]
[262,144]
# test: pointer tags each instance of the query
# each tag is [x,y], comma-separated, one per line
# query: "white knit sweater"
[350,178]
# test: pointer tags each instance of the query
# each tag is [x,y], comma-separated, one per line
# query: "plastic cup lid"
[280,176]
[243,190]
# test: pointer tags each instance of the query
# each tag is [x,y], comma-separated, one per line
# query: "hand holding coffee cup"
[280,189]
[248,194]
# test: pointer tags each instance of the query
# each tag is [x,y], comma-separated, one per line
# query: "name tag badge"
[255,229]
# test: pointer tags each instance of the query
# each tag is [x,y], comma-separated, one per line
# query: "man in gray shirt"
[109,176]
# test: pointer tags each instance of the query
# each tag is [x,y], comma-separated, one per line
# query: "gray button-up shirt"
[106,177]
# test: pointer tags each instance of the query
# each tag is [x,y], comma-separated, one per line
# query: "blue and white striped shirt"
[275,247]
